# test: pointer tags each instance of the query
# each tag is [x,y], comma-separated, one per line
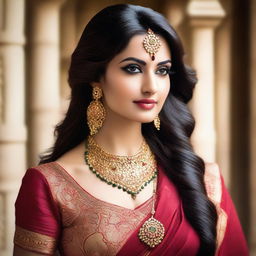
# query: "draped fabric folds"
[54,213]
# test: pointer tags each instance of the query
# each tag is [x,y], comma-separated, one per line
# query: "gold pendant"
[152,232]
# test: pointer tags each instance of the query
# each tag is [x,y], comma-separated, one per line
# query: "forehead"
[135,49]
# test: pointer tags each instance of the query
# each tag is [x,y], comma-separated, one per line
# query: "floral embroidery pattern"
[89,225]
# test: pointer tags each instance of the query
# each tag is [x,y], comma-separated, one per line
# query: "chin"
[148,120]
[142,118]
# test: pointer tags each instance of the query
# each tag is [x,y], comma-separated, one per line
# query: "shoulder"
[44,177]
[35,194]
[46,171]
[47,167]
[39,178]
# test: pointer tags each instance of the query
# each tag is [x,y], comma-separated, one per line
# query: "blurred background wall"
[37,38]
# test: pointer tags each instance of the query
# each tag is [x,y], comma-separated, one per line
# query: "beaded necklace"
[129,173]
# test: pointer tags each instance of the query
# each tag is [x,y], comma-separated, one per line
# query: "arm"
[37,217]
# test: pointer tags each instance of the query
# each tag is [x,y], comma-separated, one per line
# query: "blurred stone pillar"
[44,73]
[252,235]
[204,16]
[223,92]
[12,117]
[68,43]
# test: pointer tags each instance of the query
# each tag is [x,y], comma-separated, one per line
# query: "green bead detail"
[152,229]
[133,194]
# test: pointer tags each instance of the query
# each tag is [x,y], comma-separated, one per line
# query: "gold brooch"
[151,43]
[152,231]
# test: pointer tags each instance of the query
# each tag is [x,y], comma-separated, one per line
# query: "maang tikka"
[151,43]
[96,112]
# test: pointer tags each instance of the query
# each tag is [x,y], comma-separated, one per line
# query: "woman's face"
[134,86]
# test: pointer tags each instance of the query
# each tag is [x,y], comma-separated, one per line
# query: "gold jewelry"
[152,231]
[96,112]
[129,173]
[157,123]
[151,43]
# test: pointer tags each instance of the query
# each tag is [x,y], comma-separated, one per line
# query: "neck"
[120,137]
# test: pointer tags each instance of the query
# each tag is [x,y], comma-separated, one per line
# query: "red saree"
[54,213]
[180,238]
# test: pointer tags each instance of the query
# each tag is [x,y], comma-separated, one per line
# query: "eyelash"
[128,70]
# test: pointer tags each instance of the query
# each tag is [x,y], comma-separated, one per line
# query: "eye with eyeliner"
[163,70]
[135,69]
[132,69]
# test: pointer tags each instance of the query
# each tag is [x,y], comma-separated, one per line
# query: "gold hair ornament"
[151,43]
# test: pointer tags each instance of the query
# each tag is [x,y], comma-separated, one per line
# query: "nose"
[149,84]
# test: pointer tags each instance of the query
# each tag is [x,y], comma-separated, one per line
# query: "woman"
[122,177]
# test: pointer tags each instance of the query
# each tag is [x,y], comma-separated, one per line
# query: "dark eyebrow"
[142,62]
[164,62]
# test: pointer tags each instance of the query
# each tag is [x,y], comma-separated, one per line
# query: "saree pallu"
[180,238]
[54,213]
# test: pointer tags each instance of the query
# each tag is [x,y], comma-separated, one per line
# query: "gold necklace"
[129,173]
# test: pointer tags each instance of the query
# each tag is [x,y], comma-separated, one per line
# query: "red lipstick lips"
[146,104]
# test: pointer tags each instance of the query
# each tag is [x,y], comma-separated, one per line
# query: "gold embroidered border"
[221,225]
[212,181]
[34,241]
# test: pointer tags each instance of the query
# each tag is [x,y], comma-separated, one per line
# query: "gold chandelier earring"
[96,112]
[157,122]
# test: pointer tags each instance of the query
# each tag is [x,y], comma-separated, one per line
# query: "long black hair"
[107,34]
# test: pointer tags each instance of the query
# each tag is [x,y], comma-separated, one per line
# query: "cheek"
[120,88]
[118,92]
[165,89]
